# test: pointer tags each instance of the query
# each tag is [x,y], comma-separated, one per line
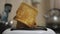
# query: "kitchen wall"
[2,2]
[43,7]
[57,4]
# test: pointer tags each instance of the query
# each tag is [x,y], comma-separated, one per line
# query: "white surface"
[49,31]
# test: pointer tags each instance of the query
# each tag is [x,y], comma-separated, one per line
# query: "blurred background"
[42,6]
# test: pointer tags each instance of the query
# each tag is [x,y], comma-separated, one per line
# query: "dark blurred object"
[21,26]
[26,28]
[53,19]
[8,7]
[3,27]
[5,13]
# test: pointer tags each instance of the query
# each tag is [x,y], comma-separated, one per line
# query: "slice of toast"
[26,14]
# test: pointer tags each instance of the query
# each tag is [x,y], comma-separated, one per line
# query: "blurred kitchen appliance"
[49,31]
[53,19]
